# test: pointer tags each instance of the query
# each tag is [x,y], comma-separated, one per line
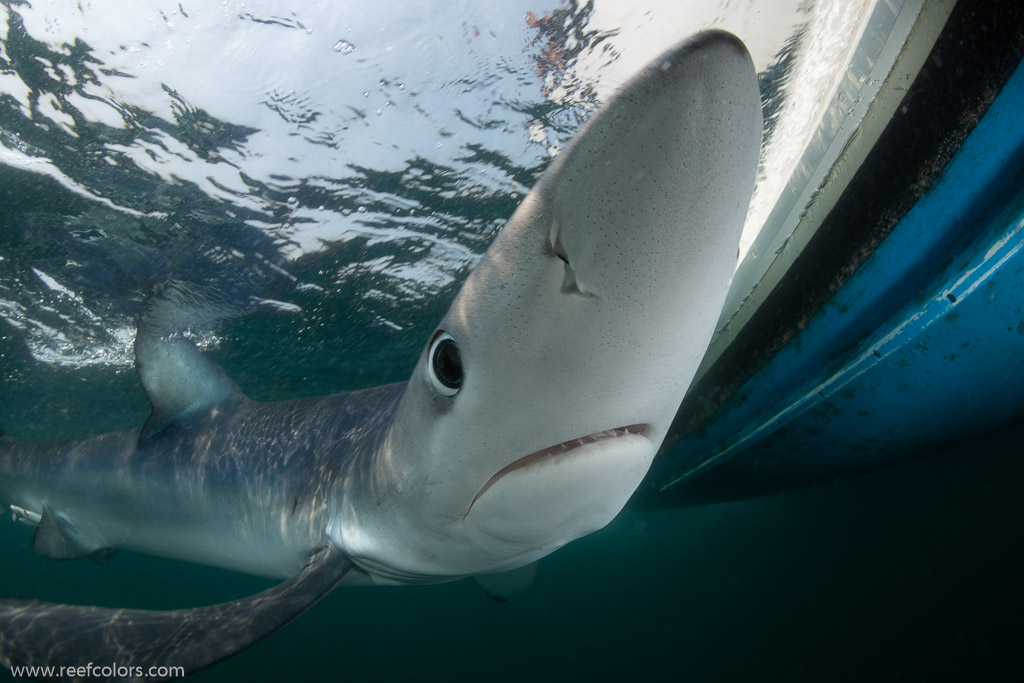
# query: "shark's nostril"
[571,285]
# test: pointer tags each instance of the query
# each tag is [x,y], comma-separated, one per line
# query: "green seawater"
[906,574]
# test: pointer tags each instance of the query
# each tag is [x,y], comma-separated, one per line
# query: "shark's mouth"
[561,449]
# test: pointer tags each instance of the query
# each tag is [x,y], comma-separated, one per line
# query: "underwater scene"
[329,175]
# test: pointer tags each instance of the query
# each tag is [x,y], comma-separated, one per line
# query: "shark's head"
[542,397]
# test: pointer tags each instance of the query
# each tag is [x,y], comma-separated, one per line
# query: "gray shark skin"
[534,411]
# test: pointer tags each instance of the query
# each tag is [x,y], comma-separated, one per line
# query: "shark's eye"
[444,366]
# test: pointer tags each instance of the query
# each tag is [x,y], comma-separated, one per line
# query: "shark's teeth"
[560,449]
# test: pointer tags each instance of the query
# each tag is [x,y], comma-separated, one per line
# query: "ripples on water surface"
[333,170]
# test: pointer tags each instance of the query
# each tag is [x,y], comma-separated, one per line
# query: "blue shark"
[534,412]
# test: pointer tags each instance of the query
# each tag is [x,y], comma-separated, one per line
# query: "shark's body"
[245,489]
[535,410]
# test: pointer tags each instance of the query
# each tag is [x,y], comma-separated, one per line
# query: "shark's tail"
[5,470]
[10,478]
[6,446]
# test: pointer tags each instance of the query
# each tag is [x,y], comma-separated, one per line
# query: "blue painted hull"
[921,347]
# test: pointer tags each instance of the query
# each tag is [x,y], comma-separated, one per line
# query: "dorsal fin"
[179,380]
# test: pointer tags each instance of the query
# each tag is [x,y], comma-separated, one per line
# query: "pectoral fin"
[58,538]
[42,634]
[504,586]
